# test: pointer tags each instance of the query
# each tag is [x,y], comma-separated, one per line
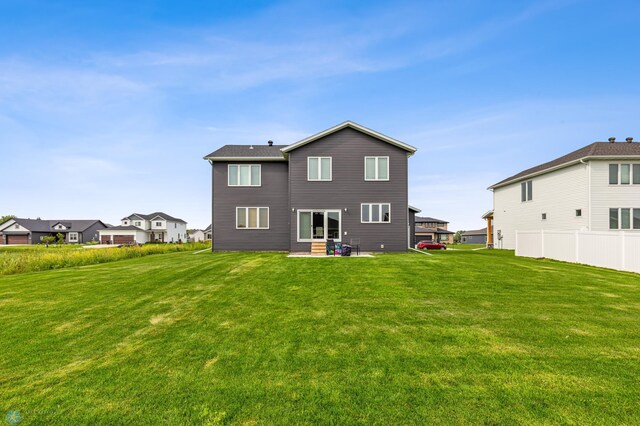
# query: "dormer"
[158,222]
[60,226]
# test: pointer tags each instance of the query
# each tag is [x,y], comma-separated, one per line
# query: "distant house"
[196,235]
[478,236]
[595,188]
[347,184]
[31,231]
[143,228]
[432,229]
[208,233]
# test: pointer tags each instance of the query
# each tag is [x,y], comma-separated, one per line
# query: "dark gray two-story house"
[347,183]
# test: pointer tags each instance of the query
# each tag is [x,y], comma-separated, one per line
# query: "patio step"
[318,247]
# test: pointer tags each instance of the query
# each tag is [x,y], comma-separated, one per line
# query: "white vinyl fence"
[615,250]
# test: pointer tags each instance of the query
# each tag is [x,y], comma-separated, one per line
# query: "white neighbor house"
[196,235]
[596,188]
[143,228]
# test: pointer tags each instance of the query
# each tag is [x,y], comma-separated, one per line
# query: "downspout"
[588,164]
[212,195]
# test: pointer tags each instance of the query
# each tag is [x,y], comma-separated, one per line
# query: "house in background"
[432,229]
[31,231]
[478,236]
[196,235]
[208,233]
[143,228]
[347,184]
[595,188]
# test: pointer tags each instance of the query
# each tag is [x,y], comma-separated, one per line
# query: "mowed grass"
[461,337]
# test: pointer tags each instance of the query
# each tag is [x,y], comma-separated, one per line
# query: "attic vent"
[270,143]
[629,139]
[612,140]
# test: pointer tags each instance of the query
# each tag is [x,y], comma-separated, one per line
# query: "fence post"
[577,246]
[542,242]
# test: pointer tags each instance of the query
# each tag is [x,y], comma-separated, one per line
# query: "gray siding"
[90,233]
[412,225]
[474,239]
[272,194]
[348,189]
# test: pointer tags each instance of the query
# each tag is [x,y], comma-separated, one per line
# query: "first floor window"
[244,175]
[376,213]
[252,217]
[624,218]
[73,236]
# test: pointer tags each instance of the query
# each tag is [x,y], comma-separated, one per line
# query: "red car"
[430,245]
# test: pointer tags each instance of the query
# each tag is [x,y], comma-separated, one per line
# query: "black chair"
[355,245]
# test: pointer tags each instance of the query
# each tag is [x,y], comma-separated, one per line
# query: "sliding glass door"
[319,225]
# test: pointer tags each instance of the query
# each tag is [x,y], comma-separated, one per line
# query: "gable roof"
[593,151]
[247,153]
[152,216]
[355,126]
[421,230]
[40,225]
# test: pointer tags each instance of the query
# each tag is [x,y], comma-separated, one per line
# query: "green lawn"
[457,337]
[465,246]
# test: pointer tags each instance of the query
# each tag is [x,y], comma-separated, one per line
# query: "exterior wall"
[412,227]
[163,224]
[558,194]
[474,239]
[196,236]
[91,233]
[273,194]
[176,231]
[348,189]
[605,196]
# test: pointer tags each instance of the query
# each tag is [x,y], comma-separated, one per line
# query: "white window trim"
[238,173]
[376,168]
[320,169]
[370,215]
[310,240]
[247,228]
[528,198]
[631,164]
[620,228]
[73,240]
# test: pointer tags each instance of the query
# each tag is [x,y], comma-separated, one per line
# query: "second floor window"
[376,168]
[318,168]
[138,223]
[624,174]
[158,223]
[526,191]
[245,175]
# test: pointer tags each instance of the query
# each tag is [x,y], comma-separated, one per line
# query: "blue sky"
[107,108]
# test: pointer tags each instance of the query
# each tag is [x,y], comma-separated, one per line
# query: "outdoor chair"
[355,245]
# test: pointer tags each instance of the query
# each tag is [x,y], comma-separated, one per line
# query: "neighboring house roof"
[415,209]
[421,219]
[207,229]
[152,216]
[421,230]
[40,225]
[355,126]
[482,231]
[248,153]
[595,150]
[124,228]
[488,214]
